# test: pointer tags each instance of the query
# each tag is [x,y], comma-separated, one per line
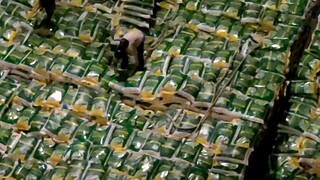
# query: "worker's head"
[124,43]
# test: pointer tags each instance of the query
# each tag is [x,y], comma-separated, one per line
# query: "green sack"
[119,137]
[6,166]
[76,169]
[99,135]
[95,171]
[178,64]
[188,151]
[84,131]
[38,121]
[4,137]
[25,144]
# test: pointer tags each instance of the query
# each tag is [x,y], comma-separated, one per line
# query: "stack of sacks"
[192,61]
[84,66]
[195,113]
[72,131]
[136,12]
[209,63]
[68,145]
[81,100]
[296,150]
[255,86]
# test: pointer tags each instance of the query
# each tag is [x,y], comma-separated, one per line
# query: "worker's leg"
[140,50]
[49,6]
[124,61]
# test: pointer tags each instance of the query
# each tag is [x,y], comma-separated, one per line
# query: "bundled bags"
[195,114]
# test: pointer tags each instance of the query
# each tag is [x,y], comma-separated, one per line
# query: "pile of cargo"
[215,69]
[296,152]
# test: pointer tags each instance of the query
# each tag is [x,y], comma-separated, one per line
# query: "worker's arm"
[133,52]
[36,6]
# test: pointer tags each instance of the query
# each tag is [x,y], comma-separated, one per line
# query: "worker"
[49,6]
[131,45]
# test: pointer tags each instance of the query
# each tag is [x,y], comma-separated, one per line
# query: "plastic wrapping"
[206,95]
[133,84]
[175,121]
[23,147]
[150,87]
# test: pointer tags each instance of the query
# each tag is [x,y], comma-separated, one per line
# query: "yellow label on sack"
[195,76]
[161,130]
[55,159]
[294,162]
[63,137]
[101,120]
[283,1]
[313,114]
[38,102]
[158,177]
[119,31]
[168,90]
[244,145]
[15,100]
[158,73]
[215,163]
[201,140]
[121,8]
[164,5]
[273,7]
[216,148]
[146,95]
[80,108]
[190,113]
[85,37]
[233,37]
[231,15]
[300,144]
[117,147]
[57,50]
[72,54]
[267,25]
[12,36]
[90,80]
[9,178]
[234,120]
[174,52]
[192,27]
[40,49]
[118,172]
[52,103]
[2,101]
[76,2]
[89,8]
[97,112]
[191,6]
[221,33]
[220,64]
[259,39]
[315,169]
[18,156]
[56,72]
[22,125]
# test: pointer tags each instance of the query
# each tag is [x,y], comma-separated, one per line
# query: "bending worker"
[131,45]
